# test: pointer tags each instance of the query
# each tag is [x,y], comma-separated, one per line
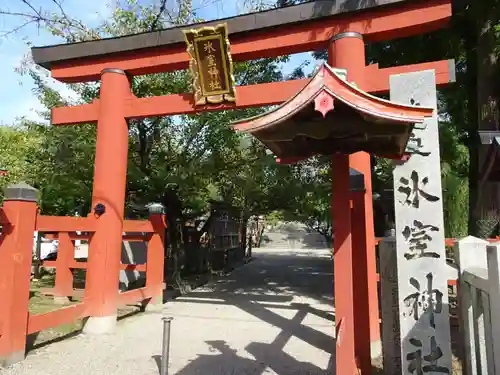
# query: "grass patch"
[41,303]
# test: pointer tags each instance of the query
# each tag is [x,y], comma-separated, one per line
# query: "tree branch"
[41,17]
[156,20]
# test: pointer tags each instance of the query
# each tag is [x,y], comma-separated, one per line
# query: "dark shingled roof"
[237,26]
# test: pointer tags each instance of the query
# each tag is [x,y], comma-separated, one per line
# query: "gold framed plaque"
[211,65]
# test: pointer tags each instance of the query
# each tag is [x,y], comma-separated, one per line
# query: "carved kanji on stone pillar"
[423,311]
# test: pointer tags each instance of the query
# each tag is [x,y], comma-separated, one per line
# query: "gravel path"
[271,316]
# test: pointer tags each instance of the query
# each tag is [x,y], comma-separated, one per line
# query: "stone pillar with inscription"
[420,244]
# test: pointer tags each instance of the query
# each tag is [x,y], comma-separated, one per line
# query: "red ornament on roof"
[330,115]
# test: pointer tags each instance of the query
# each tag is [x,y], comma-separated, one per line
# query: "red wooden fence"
[19,221]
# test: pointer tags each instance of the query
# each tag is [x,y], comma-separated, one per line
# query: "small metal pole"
[165,354]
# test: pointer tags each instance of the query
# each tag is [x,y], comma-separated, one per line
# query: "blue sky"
[16,97]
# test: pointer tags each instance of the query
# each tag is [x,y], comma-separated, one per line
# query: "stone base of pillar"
[59,300]
[12,358]
[99,325]
[376,349]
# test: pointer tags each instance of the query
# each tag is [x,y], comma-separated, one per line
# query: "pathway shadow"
[292,327]
[282,363]
[270,283]
[224,361]
[276,278]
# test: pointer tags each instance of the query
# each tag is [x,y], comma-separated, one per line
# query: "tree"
[18,145]
[467,106]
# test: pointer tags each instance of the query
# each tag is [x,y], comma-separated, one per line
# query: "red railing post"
[16,251]
[156,256]
[64,274]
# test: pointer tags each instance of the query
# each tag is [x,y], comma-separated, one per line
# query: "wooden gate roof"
[330,115]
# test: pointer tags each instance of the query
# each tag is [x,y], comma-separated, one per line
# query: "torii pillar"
[110,177]
[356,296]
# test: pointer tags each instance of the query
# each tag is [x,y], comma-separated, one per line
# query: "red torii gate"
[338,26]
